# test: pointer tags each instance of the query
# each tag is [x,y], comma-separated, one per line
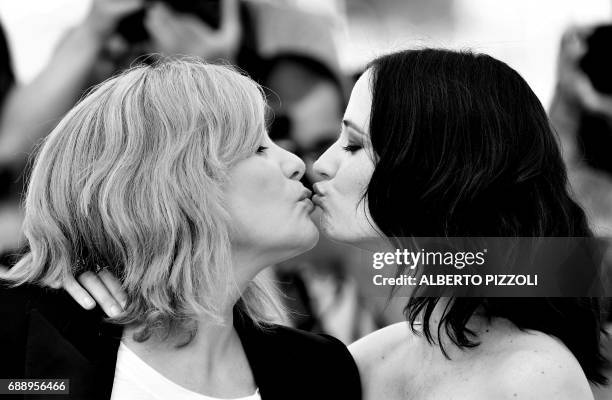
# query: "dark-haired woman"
[440,144]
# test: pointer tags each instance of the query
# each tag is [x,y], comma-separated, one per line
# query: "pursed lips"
[305,199]
[317,189]
[319,194]
[306,194]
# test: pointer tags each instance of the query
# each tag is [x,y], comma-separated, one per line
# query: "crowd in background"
[290,52]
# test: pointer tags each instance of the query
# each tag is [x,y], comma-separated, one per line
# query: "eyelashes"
[351,148]
[353,144]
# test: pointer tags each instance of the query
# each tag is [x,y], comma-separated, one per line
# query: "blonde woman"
[165,177]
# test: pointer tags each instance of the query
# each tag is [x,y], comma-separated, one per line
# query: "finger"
[94,285]
[77,292]
[114,286]
[57,285]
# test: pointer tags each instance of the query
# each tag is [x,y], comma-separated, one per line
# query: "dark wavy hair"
[464,148]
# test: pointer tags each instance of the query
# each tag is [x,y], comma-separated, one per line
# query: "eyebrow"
[353,126]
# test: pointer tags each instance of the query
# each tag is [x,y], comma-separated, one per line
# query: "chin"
[306,240]
[336,232]
[350,234]
[311,237]
[306,237]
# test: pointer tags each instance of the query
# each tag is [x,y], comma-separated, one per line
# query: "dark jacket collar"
[65,341]
[264,360]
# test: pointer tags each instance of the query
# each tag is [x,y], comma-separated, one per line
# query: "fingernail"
[88,303]
[114,311]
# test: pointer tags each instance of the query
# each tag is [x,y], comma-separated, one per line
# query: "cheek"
[347,217]
[256,185]
[254,195]
[261,189]
[353,178]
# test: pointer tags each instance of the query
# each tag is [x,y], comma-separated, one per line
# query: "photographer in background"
[87,55]
[30,111]
[581,113]
[291,52]
[95,50]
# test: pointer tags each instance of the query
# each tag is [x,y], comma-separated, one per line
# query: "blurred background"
[307,53]
[523,33]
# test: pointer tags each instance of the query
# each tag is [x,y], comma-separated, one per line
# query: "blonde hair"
[132,179]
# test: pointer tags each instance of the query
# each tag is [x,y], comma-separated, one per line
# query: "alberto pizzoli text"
[457,280]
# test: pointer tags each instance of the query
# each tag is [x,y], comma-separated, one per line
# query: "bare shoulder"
[372,349]
[383,357]
[533,365]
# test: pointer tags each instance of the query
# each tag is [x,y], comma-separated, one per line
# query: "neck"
[211,341]
[213,338]
[213,363]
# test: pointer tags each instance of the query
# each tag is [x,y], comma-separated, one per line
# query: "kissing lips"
[306,194]
[308,203]
[317,199]
[319,195]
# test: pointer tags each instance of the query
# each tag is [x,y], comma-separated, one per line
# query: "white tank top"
[136,380]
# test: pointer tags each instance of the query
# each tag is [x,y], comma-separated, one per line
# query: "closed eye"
[352,148]
[261,149]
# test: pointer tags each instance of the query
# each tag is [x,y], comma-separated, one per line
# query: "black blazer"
[46,334]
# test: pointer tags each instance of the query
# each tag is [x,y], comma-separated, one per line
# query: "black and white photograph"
[306,199]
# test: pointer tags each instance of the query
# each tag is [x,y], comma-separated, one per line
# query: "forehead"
[358,109]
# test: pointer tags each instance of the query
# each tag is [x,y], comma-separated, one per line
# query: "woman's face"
[269,207]
[345,169]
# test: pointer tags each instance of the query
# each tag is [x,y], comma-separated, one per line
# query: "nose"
[324,168]
[293,167]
